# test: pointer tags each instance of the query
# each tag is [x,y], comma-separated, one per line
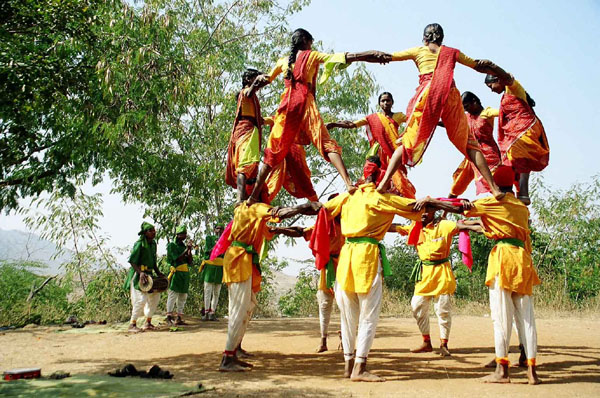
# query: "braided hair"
[433,33]
[300,38]
[489,79]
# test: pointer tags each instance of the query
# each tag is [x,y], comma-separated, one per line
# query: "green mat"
[94,386]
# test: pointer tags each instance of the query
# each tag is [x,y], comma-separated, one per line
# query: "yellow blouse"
[282,65]
[517,90]
[365,213]
[398,117]
[249,227]
[426,60]
[247,105]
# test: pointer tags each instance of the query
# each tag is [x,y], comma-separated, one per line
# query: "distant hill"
[28,246]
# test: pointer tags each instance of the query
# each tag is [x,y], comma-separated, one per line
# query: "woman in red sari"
[481,123]
[382,132]
[298,121]
[521,135]
[437,98]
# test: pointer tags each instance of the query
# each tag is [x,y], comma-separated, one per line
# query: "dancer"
[212,275]
[242,271]
[437,97]
[325,293]
[299,123]
[521,135]
[382,132]
[143,264]
[243,152]
[481,123]
[179,258]
[510,274]
[433,276]
[366,215]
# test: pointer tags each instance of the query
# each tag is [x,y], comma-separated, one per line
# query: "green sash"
[511,241]
[249,249]
[387,271]
[330,271]
[416,274]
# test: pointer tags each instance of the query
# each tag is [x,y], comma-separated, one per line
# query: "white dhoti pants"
[442,307]
[325,300]
[242,302]
[176,298]
[506,306]
[143,303]
[211,296]
[359,311]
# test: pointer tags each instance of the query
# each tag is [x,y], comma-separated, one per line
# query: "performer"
[143,264]
[437,97]
[179,258]
[521,135]
[366,216]
[325,293]
[243,153]
[433,276]
[212,275]
[510,274]
[298,122]
[382,132]
[481,124]
[242,271]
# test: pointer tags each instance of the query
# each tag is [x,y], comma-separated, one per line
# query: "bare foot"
[241,353]
[425,347]
[498,194]
[368,377]
[491,364]
[243,364]
[532,377]
[351,188]
[148,326]
[525,199]
[500,375]
[228,365]
[348,366]
[322,348]
[444,351]
[134,329]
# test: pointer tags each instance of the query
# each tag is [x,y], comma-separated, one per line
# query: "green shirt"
[180,281]
[209,245]
[142,254]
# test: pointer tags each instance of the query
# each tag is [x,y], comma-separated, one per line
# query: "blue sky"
[549,46]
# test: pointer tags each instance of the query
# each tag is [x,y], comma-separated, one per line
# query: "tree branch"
[35,290]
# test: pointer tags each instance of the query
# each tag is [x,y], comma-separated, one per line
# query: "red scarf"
[319,239]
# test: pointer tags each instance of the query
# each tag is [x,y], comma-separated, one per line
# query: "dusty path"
[285,362]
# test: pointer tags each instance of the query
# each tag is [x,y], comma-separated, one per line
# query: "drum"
[157,284]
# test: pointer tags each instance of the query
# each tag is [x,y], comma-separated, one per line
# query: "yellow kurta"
[426,60]
[249,227]
[435,245]
[365,213]
[507,218]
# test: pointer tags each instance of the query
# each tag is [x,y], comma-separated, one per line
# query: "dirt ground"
[286,363]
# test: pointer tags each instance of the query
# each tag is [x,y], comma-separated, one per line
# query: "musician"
[179,257]
[143,264]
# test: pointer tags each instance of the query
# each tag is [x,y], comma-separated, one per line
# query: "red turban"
[504,176]
[371,169]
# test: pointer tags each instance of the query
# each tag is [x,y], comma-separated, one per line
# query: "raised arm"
[488,67]
[342,124]
[442,205]
[291,231]
[470,225]
[257,84]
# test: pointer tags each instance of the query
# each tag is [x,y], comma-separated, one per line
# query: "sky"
[549,46]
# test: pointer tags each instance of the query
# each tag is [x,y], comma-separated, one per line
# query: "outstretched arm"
[258,83]
[442,205]
[307,209]
[487,66]
[470,225]
[291,231]
[342,124]
[369,56]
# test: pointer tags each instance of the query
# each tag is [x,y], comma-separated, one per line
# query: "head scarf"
[146,226]
[504,176]
[370,169]
[181,229]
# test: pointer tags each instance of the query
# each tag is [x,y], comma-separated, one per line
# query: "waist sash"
[416,274]
[387,271]
[179,268]
[249,249]
[511,241]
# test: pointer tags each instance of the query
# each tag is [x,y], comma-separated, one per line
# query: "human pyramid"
[346,238]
